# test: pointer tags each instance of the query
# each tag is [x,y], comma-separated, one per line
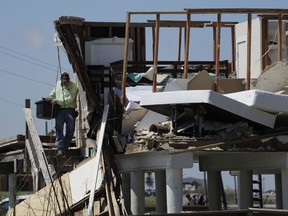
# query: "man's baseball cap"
[65,76]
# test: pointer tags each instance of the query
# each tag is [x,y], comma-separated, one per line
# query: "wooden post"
[217,59]
[279,37]
[265,43]
[12,191]
[27,105]
[187,44]
[214,44]
[139,44]
[124,70]
[156,47]
[179,44]
[248,52]
[233,48]
[35,146]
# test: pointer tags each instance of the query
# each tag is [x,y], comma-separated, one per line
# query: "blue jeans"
[67,117]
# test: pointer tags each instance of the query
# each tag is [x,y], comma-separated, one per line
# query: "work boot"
[60,153]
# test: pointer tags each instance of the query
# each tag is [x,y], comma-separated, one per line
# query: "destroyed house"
[158,115]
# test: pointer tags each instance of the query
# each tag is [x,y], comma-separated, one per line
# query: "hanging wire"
[59,171]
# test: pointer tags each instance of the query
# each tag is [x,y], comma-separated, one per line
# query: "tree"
[196,184]
[149,180]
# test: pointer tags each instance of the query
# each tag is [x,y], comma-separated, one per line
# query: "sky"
[29,58]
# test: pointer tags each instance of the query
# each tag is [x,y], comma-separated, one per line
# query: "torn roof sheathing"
[162,102]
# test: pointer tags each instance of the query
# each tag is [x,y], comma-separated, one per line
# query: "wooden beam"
[35,168]
[280,37]
[262,11]
[123,96]
[218,39]
[193,24]
[36,146]
[233,60]
[214,44]
[222,24]
[155,51]
[265,43]
[248,75]
[12,139]
[179,43]
[187,44]
[139,43]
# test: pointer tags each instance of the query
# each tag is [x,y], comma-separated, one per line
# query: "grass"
[5,194]
[150,201]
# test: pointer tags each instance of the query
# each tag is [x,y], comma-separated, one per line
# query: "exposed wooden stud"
[233,48]
[110,31]
[139,41]
[179,43]
[265,43]
[132,34]
[279,37]
[155,56]
[124,70]
[218,39]
[214,44]
[143,36]
[153,41]
[248,75]
[187,44]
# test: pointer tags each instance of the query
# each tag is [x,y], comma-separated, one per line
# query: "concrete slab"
[153,160]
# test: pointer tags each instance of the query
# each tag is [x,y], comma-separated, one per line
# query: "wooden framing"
[249,18]
[278,14]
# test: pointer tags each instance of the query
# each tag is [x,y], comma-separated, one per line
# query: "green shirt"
[65,95]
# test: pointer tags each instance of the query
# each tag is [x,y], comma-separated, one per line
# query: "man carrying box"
[64,94]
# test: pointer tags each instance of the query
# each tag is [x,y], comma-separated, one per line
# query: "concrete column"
[174,182]
[245,189]
[137,192]
[284,180]
[278,189]
[12,190]
[214,190]
[126,191]
[160,182]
